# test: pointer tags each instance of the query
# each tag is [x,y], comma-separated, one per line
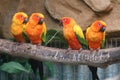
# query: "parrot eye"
[66,20]
[99,24]
[37,17]
[21,17]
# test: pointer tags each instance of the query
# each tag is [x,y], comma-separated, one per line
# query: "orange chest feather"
[34,30]
[70,37]
[94,39]
[34,33]
[68,33]
[95,36]
[19,38]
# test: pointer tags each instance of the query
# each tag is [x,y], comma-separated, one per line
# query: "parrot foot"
[80,50]
[97,49]
[68,50]
[19,43]
[39,44]
[91,50]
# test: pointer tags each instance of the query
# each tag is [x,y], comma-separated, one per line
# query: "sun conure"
[95,35]
[18,26]
[73,34]
[36,31]
[36,28]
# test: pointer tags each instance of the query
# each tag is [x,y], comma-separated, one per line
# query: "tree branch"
[99,59]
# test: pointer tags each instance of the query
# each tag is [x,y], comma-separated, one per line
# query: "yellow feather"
[78,31]
[44,32]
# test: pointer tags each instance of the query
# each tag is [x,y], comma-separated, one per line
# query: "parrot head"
[67,21]
[37,18]
[99,26]
[20,18]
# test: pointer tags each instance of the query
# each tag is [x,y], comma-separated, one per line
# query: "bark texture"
[99,59]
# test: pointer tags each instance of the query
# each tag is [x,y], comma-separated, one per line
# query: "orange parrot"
[18,26]
[36,28]
[36,31]
[73,34]
[95,36]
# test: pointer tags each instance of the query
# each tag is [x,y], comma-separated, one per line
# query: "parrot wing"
[25,36]
[44,33]
[103,41]
[80,36]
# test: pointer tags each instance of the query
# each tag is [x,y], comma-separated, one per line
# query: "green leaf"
[13,67]
[49,34]
[50,67]
[21,60]
[45,78]
[54,35]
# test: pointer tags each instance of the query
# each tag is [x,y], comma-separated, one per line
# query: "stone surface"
[76,9]
[32,6]
[11,6]
[99,5]
[84,15]
[7,9]
[1,24]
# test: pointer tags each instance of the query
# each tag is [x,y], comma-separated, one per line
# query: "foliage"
[13,67]
[50,67]
[54,35]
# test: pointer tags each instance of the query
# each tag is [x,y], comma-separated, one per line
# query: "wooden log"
[102,58]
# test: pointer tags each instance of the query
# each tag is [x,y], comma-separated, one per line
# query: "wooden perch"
[99,59]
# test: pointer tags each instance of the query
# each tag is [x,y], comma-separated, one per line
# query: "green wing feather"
[80,36]
[103,41]
[44,33]
[25,36]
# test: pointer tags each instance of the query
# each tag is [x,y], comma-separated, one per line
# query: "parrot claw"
[68,50]
[39,44]
[19,43]
[80,50]
[97,49]
[91,50]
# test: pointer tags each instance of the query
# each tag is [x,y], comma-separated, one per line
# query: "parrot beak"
[41,21]
[102,29]
[60,23]
[25,21]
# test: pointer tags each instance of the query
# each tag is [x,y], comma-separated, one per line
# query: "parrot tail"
[35,65]
[94,73]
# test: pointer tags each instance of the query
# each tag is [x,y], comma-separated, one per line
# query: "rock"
[32,6]
[99,5]
[1,24]
[10,7]
[76,9]
[7,9]
[84,16]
